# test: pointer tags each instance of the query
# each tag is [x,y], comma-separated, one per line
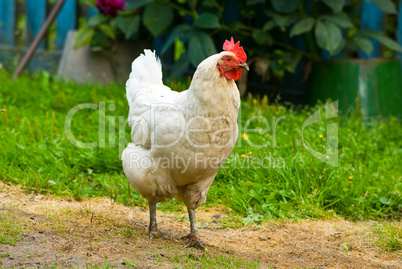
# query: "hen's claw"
[158,234]
[193,242]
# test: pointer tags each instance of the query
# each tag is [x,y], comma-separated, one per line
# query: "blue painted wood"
[92,11]
[7,22]
[371,18]
[399,27]
[66,20]
[36,16]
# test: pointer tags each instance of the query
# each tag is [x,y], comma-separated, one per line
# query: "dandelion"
[350,177]
[249,153]
[321,136]
[243,155]
[244,136]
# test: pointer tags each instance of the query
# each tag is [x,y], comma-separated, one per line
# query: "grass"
[388,236]
[279,179]
[206,261]
[11,229]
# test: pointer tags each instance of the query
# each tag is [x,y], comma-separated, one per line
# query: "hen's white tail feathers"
[145,70]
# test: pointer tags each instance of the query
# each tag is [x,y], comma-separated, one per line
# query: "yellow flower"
[321,136]
[350,177]
[243,155]
[250,153]
[244,136]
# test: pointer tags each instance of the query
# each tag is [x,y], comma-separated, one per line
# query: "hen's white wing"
[145,93]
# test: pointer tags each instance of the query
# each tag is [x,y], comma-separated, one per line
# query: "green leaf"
[286,7]
[281,20]
[157,18]
[128,24]
[83,37]
[341,19]
[336,5]
[200,47]
[136,3]
[181,32]
[208,21]
[304,25]
[328,36]
[211,3]
[364,44]
[179,49]
[97,19]
[383,39]
[386,5]
[107,30]
[261,37]
[269,25]
[386,201]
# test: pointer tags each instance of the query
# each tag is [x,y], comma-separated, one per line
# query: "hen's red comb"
[236,49]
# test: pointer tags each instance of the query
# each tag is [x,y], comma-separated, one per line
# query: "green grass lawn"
[278,179]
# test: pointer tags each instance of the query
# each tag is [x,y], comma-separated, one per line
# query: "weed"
[345,247]
[190,260]
[10,229]
[388,236]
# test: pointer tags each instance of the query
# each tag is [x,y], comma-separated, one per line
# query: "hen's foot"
[158,234]
[193,242]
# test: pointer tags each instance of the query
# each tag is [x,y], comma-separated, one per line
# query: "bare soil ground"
[57,232]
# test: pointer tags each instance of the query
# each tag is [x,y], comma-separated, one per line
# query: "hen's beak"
[243,66]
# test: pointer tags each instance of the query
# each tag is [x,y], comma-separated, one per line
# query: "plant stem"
[193,13]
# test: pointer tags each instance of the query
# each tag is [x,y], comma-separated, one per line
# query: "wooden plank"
[36,16]
[43,60]
[7,22]
[66,20]
[399,26]
[372,18]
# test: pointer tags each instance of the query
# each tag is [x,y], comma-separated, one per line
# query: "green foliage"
[207,21]
[129,25]
[386,5]
[328,35]
[198,26]
[83,37]
[302,26]
[278,179]
[157,18]
[335,5]
[200,47]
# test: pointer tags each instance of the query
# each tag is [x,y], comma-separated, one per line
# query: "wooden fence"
[21,20]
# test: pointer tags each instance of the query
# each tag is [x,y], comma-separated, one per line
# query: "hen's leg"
[193,240]
[153,227]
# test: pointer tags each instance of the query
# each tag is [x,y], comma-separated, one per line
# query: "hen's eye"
[228,59]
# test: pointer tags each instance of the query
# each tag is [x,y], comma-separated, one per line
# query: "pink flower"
[110,7]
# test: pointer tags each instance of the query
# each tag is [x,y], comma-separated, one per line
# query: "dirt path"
[56,232]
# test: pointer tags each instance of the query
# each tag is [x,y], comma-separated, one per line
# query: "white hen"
[180,140]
